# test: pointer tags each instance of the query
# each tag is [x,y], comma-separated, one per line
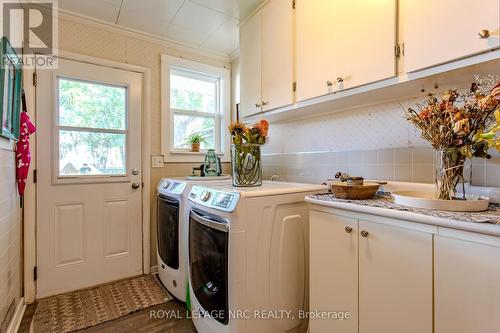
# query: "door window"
[91,128]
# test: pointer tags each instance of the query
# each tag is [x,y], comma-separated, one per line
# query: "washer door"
[208,263]
[168,231]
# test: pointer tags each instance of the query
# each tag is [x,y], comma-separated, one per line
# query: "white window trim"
[167,115]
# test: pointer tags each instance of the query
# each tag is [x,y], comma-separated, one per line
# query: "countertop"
[487,222]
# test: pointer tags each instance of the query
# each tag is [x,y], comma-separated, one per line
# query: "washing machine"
[172,231]
[248,257]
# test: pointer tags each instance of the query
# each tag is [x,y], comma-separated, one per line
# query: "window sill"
[186,156]
[187,152]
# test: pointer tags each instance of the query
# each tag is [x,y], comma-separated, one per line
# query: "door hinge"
[35,273]
[397,50]
[35,79]
[294,86]
[293,4]
[34,176]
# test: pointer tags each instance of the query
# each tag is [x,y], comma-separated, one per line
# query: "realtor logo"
[32,29]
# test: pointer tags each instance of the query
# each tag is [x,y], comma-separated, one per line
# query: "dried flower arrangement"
[245,152]
[462,125]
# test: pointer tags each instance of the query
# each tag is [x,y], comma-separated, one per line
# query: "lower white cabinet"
[467,283]
[379,272]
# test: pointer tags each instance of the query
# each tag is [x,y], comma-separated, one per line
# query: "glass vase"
[453,174]
[246,165]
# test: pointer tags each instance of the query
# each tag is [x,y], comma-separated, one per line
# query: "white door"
[277,54]
[467,291]
[436,32]
[89,228]
[251,66]
[333,271]
[365,35]
[395,279]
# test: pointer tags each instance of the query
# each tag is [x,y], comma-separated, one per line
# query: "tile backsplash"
[414,164]
[375,142]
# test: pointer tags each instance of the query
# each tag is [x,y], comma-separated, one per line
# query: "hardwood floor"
[140,321]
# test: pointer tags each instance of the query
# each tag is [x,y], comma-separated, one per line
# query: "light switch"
[157,161]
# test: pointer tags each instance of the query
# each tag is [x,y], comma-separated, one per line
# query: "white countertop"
[483,228]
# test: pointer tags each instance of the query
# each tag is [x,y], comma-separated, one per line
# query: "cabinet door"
[436,32]
[314,47]
[333,271]
[467,288]
[277,54]
[395,279]
[250,66]
[365,35]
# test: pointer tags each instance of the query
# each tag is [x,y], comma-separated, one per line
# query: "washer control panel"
[220,200]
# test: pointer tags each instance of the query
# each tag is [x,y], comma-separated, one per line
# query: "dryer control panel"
[212,198]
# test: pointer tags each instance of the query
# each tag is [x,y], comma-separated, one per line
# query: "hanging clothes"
[23,153]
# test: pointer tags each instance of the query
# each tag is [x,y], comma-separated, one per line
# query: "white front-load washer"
[248,257]
[172,231]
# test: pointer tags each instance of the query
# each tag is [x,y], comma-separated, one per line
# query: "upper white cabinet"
[277,54]
[250,65]
[436,32]
[343,44]
[364,40]
[467,288]
[266,58]
[379,270]
[314,48]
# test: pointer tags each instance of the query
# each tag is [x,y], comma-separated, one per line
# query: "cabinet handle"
[329,83]
[483,34]
[364,233]
[264,103]
[348,230]
[257,105]
[340,79]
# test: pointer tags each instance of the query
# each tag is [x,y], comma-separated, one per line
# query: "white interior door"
[89,228]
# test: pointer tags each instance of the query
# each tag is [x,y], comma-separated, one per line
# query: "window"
[195,100]
[92,122]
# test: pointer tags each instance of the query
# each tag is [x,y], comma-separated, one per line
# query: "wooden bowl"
[342,190]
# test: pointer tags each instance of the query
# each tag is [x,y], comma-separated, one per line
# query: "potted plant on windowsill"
[195,140]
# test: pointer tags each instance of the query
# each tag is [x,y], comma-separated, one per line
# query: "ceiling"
[207,24]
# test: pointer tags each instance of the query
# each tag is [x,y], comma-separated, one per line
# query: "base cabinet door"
[467,285]
[334,271]
[395,279]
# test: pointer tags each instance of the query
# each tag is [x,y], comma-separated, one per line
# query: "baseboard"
[17,318]
[154,269]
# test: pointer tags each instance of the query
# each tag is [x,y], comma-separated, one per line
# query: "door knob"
[135,186]
[484,34]
[348,230]
[264,103]
[257,105]
[329,83]
[364,233]
[340,79]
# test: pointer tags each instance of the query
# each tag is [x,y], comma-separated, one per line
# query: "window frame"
[222,116]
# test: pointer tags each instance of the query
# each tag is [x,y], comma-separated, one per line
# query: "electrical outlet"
[157,161]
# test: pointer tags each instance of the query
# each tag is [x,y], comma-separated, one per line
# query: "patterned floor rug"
[89,307]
